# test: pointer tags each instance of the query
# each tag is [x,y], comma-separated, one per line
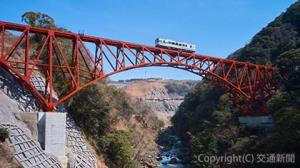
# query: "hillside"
[209,123]
[120,128]
[160,95]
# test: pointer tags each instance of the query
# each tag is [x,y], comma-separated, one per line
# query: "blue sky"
[217,27]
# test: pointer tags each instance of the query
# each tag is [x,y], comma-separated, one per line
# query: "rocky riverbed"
[173,152]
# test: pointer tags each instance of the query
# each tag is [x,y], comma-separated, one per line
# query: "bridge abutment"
[52,134]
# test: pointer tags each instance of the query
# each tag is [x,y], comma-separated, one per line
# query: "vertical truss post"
[27,52]
[50,54]
[2,31]
[96,60]
[117,57]
[123,56]
[77,62]
[101,59]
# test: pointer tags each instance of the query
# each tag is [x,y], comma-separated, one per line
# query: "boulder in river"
[158,158]
[173,161]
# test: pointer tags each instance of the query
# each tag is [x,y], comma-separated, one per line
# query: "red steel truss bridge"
[69,62]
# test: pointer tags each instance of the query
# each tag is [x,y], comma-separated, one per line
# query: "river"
[171,154]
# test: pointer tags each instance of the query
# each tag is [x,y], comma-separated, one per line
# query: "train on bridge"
[175,45]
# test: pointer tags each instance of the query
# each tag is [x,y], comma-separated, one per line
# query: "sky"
[217,27]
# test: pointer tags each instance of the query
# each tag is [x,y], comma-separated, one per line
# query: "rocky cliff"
[161,96]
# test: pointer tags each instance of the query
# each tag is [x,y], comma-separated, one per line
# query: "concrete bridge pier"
[52,134]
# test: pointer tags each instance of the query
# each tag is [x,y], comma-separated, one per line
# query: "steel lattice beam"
[66,58]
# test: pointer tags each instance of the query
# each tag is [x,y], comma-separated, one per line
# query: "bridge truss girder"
[67,65]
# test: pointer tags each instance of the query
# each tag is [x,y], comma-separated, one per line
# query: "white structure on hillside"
[256,120]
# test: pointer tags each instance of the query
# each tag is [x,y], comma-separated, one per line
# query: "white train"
[175,45]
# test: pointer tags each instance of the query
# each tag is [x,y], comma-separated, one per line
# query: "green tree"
[117,148]
[289,67]
[90,111]
[38,19]
[285,109]
[3,134]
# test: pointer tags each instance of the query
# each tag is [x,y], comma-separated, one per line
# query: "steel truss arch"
[65,63]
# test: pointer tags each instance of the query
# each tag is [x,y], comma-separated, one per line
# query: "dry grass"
[140,89]
[7,157]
